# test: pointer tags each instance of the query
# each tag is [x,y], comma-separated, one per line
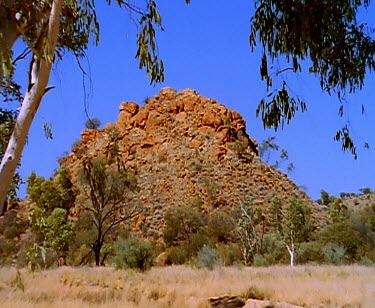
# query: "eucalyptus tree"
[292,223]
[338,45]
[106,194]
[49,29]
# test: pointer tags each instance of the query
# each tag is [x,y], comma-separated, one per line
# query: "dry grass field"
[181,286]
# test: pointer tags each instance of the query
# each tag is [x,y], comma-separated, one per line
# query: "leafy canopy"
[329,34]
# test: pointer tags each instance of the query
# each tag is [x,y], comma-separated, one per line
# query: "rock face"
[185,149]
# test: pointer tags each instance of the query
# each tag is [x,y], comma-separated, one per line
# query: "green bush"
[197,241]
[365,190]
[365,261]
[334,253]
[263,260]
[221,226]
[344,234]
[179,254]
[310,252]
[186,250]
[230,254]
[274,250]
[207,257]
[181,224]
[133,253]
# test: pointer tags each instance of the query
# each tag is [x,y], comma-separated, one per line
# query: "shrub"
[133,253]
[221,226]
[12,232]
[274,250]
[178,254]
[230,254]
[263,260]
[310,252]
[207,257]
[365,261]
[181,224]
[344,234]
[343,195]
[365,190]
[334,253]
[8,248]
[93,123]
[197,241]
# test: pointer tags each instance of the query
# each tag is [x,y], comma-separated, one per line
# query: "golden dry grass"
[180,286]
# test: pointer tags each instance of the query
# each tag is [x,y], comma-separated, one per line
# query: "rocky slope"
[356,201]
[185,149]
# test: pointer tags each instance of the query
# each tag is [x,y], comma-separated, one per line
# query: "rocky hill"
[356,201]
[185,149]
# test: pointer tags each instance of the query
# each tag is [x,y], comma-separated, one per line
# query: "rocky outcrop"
[185,149]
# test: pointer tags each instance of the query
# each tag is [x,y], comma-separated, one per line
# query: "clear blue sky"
[204,47]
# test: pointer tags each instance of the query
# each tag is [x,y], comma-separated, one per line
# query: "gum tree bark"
[40,69]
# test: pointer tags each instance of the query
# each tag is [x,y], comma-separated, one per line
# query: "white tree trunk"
[40,71]
[291,253]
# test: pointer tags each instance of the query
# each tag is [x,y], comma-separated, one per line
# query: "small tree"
[59,231]
[325,198]
[365,190]
[184,233]
[48,218]
[181,224]
[338,211]
[93,123]
[49,194]
[105,190]
[248,231]
[292,224]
